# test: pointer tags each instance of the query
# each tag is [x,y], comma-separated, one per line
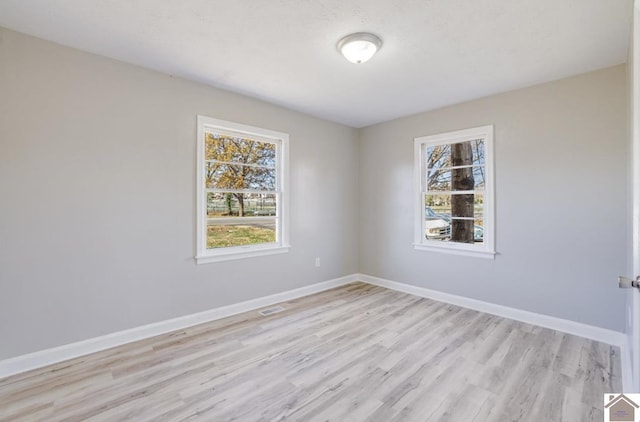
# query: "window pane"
[227,204]
[236,176]
[457,218]
[253,214]
[241,233]
[239,150]
[477,147]
[471,178]
[465,153]
[478,178]
[438,156]
[478,209]
[437,224]
[466,178]
[473,206]
[438,180]
[439,203]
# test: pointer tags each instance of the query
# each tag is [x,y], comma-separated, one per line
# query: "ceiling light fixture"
[359,47]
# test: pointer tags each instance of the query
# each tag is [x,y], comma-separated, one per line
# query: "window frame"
[487,248]
[281,140]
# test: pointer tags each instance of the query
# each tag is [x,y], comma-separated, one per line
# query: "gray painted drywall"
[97,183]
[561,200]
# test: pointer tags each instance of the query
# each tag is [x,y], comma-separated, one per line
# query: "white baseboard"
[603,335]
[58,354]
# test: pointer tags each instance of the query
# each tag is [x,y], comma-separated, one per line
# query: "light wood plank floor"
[356,353]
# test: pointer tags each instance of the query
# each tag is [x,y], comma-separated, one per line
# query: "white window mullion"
[248,191]
[447,168]
[455,192]
[235,163]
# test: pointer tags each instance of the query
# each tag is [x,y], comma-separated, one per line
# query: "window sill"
[241,252]
[456,250]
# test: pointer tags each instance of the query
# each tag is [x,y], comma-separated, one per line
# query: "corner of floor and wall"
[97,176]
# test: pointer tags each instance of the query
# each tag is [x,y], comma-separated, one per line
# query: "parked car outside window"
[438,226]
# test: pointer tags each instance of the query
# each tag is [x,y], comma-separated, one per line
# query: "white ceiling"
[435,52]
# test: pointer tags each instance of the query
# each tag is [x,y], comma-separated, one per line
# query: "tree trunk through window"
[240,198]
[228,202]
[462,205]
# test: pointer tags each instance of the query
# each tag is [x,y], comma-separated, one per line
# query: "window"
[242,191]
[454,192]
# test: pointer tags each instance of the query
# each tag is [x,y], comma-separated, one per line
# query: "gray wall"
[561,200]
[97,183]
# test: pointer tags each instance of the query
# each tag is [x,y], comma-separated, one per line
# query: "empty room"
[355,210]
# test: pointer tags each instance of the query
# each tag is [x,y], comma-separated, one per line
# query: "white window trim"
[204,255]
[487,248]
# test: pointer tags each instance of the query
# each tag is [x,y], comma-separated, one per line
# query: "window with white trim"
[454,195]
[242,191]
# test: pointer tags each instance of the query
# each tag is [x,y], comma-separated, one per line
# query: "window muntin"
[242,202]
[454,191]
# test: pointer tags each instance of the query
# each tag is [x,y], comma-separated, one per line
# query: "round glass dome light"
[359,47]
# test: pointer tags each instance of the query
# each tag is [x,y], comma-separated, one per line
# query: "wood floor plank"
[355,353]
